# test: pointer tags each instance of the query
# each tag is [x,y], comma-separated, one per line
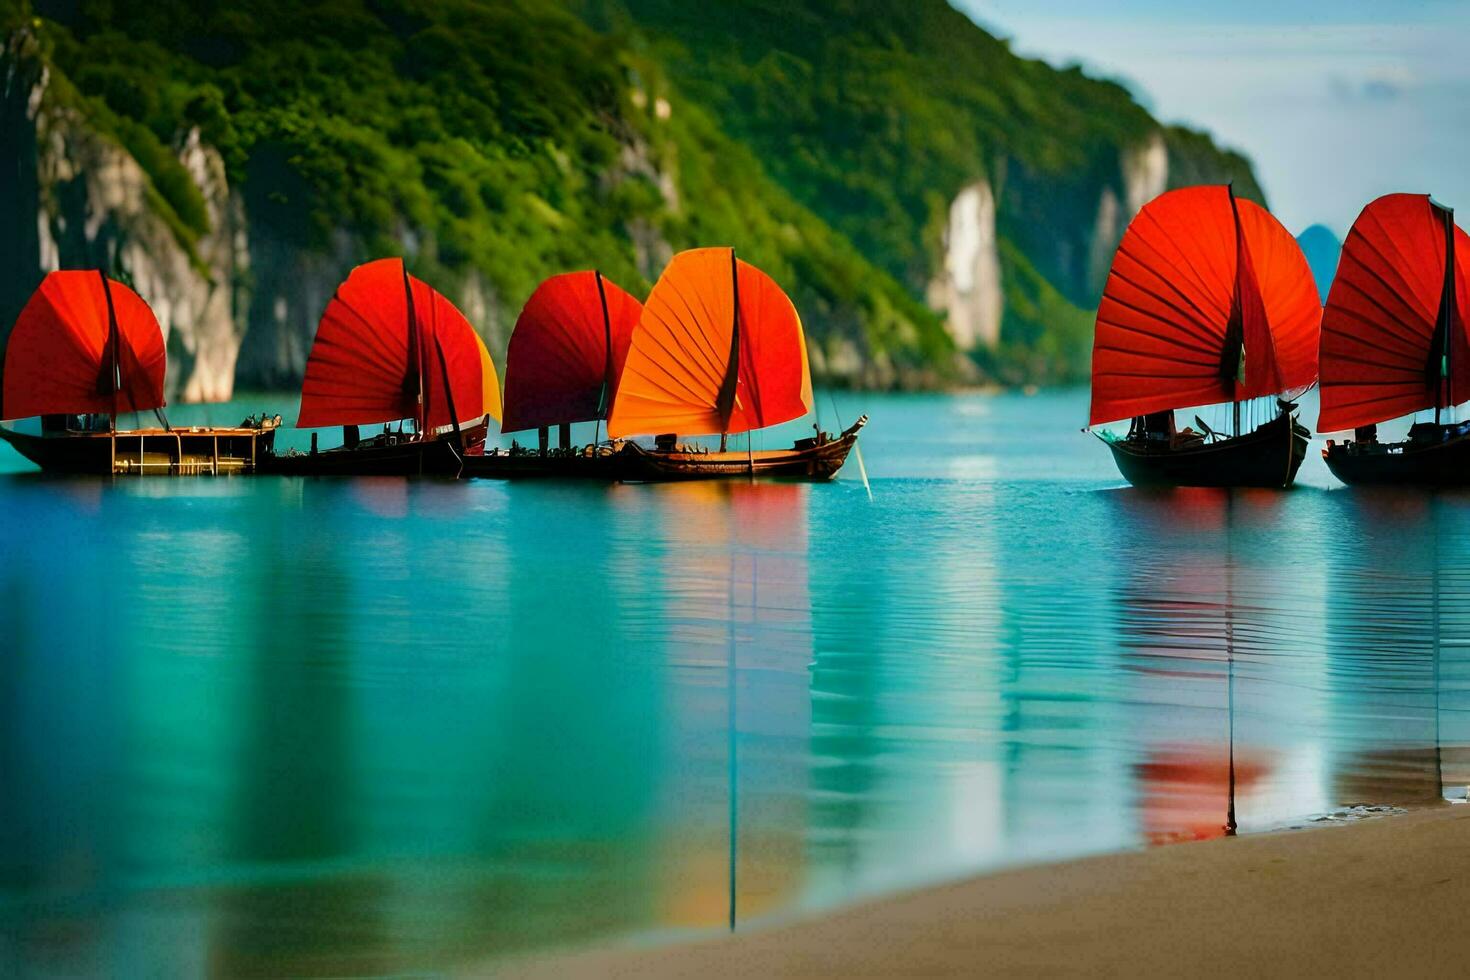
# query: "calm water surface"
[267,726]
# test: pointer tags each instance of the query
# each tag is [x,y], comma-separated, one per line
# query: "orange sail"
[84,344]
[1209,300]
[1394,320]
[388,347]
[718,349]
[567,351]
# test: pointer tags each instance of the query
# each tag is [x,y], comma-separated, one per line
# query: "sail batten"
[567,350]
[1165,308]
[719,349]
[1202,286]
[67,354]
[1395,315]
[379,332]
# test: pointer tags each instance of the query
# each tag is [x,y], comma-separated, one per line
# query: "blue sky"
[1336,103]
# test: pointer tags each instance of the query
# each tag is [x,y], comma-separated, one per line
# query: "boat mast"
[114,367]
[603,399]
[413,382]
[725,404]
[414,335]
[1232,358]
[448,389]
[1443,391]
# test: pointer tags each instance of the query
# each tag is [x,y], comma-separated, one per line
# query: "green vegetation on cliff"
[507,136]
[875,113]
[825,140]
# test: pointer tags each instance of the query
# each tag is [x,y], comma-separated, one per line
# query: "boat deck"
[184,451]
[808,459]
[1267,457]
[1438,457]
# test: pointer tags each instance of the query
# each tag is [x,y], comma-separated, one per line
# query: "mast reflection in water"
[282,727]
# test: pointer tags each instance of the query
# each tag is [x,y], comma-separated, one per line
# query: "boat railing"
[131,457]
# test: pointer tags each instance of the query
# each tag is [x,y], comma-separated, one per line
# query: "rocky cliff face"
[968,289]
[238,305]
[1144,175]
[81,201]
[284,287]
[23,78]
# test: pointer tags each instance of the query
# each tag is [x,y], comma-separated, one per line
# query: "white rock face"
[651,251]
[480,304]
[243,304]
[209,329]
[969,288]
[1145,171]
[95,207]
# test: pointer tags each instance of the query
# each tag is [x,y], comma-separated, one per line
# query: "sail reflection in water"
[1202,602]
[1397,619]
[737,619]
[370,726]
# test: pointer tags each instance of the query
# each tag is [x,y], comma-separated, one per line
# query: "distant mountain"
[941,209]
[1321,248]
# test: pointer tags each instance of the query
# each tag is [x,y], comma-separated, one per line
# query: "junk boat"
[1209,300]
[1394,343]
[85,350]
[718,350]
[562,366]
[817,457]
[391,350]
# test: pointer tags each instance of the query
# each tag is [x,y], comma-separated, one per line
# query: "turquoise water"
[266,727]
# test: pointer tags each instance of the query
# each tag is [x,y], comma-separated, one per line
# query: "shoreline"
[1385,894]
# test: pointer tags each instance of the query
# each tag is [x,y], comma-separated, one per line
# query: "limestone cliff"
[238,296]
[237,304]
[971,288]
[235,163]
[79,200]
[968,289]
[1144,175]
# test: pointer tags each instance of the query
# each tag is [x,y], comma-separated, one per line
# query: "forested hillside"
[939,208]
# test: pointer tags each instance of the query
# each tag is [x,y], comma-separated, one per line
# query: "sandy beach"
[1384,896]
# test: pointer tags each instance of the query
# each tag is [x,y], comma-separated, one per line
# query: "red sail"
[59,360]
[373,356]
[1192,287]
[1383,316]
[774,379]
[559,367]
[691,371]
[457,369]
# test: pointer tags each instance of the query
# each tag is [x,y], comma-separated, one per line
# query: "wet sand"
[1387,896]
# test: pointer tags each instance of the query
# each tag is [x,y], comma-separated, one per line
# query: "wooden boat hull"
[438,457]
[1268,457]
[148,452]
[806,460]
[1441,464]
[386,455]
